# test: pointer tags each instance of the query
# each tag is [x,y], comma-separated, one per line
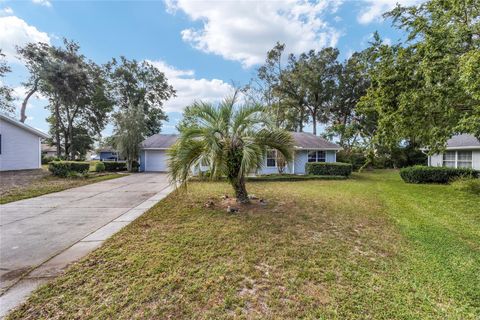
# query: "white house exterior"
[307,148]
[20,145]
[462,151]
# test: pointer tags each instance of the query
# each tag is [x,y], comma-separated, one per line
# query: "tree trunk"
[23,115]
[314,122]
[241,194]
[57,131]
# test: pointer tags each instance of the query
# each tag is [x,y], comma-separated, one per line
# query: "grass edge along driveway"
[50,184]
[368,247]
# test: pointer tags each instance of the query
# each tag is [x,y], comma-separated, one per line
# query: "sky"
[203,47]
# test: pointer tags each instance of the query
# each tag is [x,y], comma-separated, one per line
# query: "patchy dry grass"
[370,247]
[49,184]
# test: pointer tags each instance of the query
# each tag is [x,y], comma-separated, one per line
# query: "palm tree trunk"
[241,194]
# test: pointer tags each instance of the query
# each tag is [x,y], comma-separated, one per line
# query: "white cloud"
[45,3]
[16,32]
[374,9]
[189,88]
[245,30]
[7,11]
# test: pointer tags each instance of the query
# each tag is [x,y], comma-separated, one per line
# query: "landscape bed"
[367,247]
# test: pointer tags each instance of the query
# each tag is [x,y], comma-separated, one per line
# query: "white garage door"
[156,160]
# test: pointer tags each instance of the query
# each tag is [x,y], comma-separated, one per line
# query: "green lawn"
[51,184]
[371,247]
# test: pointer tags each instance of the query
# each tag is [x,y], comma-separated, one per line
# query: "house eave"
[24,126]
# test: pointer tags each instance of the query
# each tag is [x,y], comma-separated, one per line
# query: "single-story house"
[108,154]
[20,145]
[307,148]
[48,150]
[462,151]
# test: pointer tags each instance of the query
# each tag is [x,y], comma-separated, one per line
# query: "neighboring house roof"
[48,148]
[302,140]
[24,126]
[159,141]
[309,141]
[463,141]
[106,149]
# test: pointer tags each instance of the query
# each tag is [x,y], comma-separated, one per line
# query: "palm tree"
[232,139]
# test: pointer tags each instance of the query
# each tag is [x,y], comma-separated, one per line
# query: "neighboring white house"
[20,145]
[307,148]
[462,151]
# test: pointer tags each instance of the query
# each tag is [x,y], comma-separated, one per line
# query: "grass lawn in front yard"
[370,247]
[44,183]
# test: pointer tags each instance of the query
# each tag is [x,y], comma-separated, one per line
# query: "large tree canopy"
[427,88]
[135,84]
[6,93]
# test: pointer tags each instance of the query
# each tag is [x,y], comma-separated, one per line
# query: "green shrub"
[113,166]
[99,167]
[470,185]
[66,168]
[357,159]
[135,166]
[424,174]
[47,160]
[328,168]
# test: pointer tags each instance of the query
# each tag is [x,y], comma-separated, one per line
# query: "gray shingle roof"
[159,141]
[463,141]
[304,140]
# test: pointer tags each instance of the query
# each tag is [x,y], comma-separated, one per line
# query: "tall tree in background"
[79,100]
[317,73]
[38,60]
[427,88]
[136,83]
[6,93]
[308,84]
[130,129]
[345,121]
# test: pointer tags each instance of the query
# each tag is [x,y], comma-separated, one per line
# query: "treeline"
[387,101]
[83,97]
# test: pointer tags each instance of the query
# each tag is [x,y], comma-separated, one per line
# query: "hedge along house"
[20,145]
[307,148]
[462,151]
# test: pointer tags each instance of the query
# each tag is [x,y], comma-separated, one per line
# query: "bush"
[357,159]
[470,185]
[68,168]
[328,169]
[113,166]
[47,160]
[135,166]
[99,167]
[424,174]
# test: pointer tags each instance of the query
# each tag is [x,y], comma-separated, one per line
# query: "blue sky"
[203,47]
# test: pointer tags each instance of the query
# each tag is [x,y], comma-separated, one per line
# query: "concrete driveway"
[33,231]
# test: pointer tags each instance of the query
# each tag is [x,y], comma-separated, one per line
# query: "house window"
[316,156]
[271,158]
[457,159]
[464,159]
[449,159]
